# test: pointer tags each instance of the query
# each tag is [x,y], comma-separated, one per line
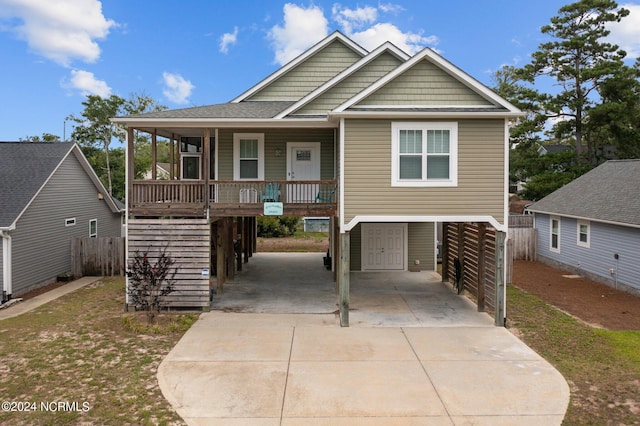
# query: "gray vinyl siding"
[424,84]
[367,181]
[596,260]
[41,246]
[310,74]
[350,86]
[420,246]
[275,167]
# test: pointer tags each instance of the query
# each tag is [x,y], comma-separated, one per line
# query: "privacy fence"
[103,256]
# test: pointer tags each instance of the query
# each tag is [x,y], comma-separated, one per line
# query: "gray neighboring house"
[49,194]
[591,226]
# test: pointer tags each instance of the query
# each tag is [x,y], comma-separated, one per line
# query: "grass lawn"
[86,361]
[601,366]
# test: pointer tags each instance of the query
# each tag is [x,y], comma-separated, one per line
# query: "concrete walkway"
[30,304]
[416,353]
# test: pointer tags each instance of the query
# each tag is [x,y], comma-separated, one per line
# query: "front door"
[384,246]
[303,164]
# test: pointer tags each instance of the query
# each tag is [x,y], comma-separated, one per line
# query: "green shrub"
[277,226]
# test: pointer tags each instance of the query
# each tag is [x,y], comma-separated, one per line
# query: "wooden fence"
[104,256]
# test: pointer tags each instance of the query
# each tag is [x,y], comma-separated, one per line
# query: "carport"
[298,283]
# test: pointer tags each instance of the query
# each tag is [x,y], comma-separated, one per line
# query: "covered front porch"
[199,198]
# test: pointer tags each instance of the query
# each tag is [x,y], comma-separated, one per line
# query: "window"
[584,231]
[93,228]
[424,154]
[248,156]
[555,235]
[191,144]
[70,222]
[190,167]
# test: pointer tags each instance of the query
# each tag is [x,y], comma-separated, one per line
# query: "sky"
[53,53]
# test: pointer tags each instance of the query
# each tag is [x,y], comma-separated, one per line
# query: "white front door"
[384,246]
[303,164]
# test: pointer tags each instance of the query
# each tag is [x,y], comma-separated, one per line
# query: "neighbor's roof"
[608,193]
[24,169]
[245,109]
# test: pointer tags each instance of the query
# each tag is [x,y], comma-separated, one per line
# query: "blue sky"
[190,53]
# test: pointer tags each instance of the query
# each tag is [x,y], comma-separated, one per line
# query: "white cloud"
[380,33]
[176,88]
[302,28]
[60,30]
[228,39]
[626,33]
[88,84]
[390,8]
[350,19]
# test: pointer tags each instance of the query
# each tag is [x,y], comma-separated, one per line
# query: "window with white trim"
[584,233]
[424,154]
[191,165]
[93,228]
[555,234]
[70,221]
[248,156]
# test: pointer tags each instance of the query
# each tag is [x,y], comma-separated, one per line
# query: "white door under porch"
[384,246]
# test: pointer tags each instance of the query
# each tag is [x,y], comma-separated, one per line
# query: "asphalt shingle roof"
[607,193]
[245,109]
[24,168]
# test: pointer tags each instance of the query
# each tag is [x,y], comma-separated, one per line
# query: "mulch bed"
[594,303]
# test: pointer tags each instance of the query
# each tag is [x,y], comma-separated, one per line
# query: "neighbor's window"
[424,154]
[584,231]
[70,222]
[555,234]
[248,155]
[93,228]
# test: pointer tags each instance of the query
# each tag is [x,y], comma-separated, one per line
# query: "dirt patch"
[597,304]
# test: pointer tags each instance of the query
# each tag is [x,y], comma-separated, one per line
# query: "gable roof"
[608,193]
[333,37]
[495,103]
[25,167]
[387,47]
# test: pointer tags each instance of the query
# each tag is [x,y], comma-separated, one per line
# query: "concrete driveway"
[416,353]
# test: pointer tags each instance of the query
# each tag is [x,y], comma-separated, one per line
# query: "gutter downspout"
[7,287]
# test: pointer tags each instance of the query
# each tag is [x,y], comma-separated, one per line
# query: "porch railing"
[154,197]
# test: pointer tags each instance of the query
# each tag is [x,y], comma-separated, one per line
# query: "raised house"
[385,144]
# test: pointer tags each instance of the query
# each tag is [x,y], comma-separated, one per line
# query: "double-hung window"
[248,154]
[584,233]
[424,154]
[555,234]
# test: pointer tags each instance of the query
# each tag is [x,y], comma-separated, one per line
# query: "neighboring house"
[162,172]
[49,194]
[591,226]
[385,144]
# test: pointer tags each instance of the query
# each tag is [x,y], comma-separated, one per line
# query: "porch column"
[172,159]
[500,314]
[482,228]
[240,241]
[130,171]
[154,155]
[343,280]
[206,160]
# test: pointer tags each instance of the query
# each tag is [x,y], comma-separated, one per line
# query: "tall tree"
[94,129]
[579,60]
